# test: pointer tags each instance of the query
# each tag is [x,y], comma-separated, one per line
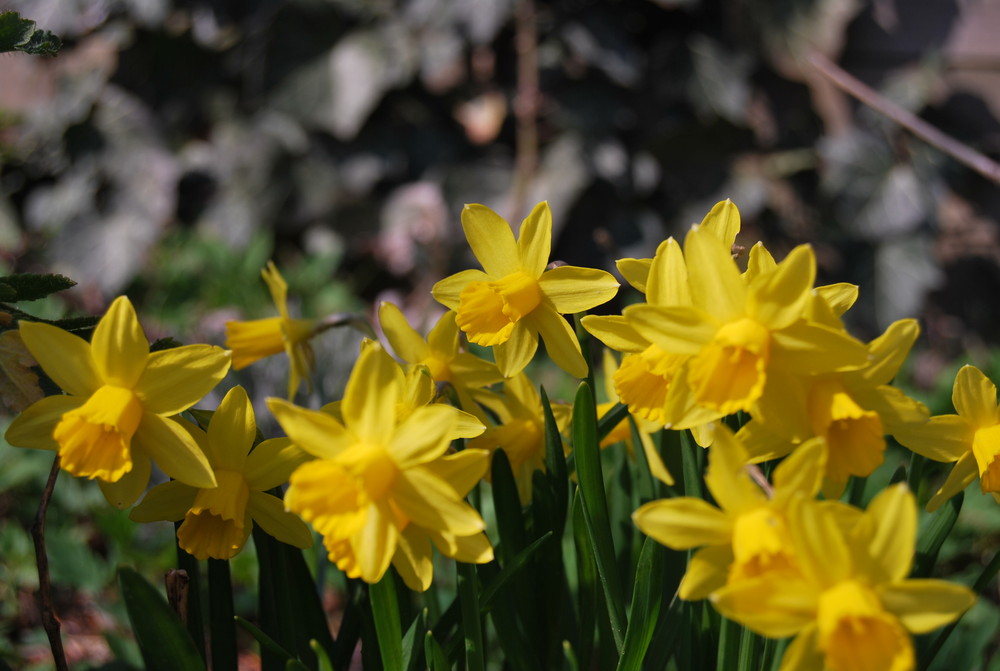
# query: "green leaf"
[412,641]
[436,661]
[510,569]
[587,587]
[385,611]
[324,660]
[510,522]
[472,627]
[610,420]
[220,616]
[163,641]
[646,602]
[932,537]
[265,641]
[8,295]
[30,287]
[555,462]
[729,646]
[17,34]
[595,507]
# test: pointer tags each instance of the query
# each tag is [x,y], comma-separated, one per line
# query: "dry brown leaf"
[18,383]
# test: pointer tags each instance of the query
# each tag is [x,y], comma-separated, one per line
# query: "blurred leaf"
[17,34]
[164,642]
[266,642]
[31,287]
[385,610]
[436,661]
[933,534]
[646,604]
[18,383]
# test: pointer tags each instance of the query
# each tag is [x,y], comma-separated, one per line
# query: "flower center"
[856,632]
[642,379]
[985,447]
[761,544]
[728,374]
[438,367]
[372,466]
[95,439]
[487,311]
[855,436]
[215,525]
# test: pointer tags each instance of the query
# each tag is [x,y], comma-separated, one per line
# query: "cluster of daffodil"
[378,475]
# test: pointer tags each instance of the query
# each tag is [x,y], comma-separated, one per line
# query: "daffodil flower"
[514,299]
[374,474]
[218,520]
[253,340]
[737,333]
[851,410]
[970,439]
[119,397]
[851,606]
[464,371]
[747,535]
[521,429]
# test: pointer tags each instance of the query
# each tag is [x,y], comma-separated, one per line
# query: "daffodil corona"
[119,398]
[514,299]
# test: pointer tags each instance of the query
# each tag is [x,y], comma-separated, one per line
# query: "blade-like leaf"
[385,611]
[646,602]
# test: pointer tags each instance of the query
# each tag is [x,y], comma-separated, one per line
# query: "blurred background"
[174,146]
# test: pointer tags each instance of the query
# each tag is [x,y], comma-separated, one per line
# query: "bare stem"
[526,104]
[926,132]
[45,604]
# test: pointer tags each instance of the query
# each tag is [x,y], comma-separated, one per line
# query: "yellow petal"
[727,478]
[461,470]
[822,551]
[272,462]
[433,504]
[889,351]
[33,428]
[560,341]
[635,272]
[424,435]
[119,346]
[801,473]
[449,290]
[174,451]
[574,289]
[943,438]
[491,240]
[683,523]
[413,559]
[95,439]
[175,379]
[894,515]
[807,349]
[961,476]
[839,297]
[468,370]
[723,220]
[656,466]
[923,605]
[471,549]
[676,329]
[369,405]
[253,340]
[771,605]
[232,431]
[64,357]
[759,262]
[168,502]
[269,512]
[513,355]
[975,397]
[716,285]
[616,332]
[443,338]
[534,240]
[404,340]
[375,543]
[706,572]
[761,443]
[668,281]
[779,297]
[803,654]
[317,433]
[277,286]
[129,487]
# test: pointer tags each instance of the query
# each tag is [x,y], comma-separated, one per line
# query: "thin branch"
[46,606]
[926,132]
[526,104]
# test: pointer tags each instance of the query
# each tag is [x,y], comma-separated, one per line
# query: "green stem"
[222,623]
[192,617]
[472,628]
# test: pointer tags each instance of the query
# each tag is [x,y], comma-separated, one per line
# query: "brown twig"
[526,104]
[46,606]
[926,132]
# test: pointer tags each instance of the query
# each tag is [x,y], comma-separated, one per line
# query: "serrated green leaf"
[7,293]
[31,287]
[163,641]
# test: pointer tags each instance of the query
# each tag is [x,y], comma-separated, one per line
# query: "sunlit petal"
[975,397]
[168,502]
[269,512]
[119,346]
[272,462]
[573,289]
[404,340]
[448,290]
[318,433]
[175,379]
[34,426]
[534,240]
[174,451]
[923,605]
[491,240]
[561,343]
[64,357]
[684,523]
[232,431]
[513,355]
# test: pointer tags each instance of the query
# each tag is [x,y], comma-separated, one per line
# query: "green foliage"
[19,34]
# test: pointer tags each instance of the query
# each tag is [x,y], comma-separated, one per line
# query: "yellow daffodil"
[736,333]
[218,520]
[521,429]
[516,299]
[851,410]
[851,606]
[375,475]
[747,535]
[970,439]
[119,397]
[440,353]
[253,340]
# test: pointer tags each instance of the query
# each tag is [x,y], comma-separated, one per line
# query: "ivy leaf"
[30,287]
[19,34]
[19,386]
